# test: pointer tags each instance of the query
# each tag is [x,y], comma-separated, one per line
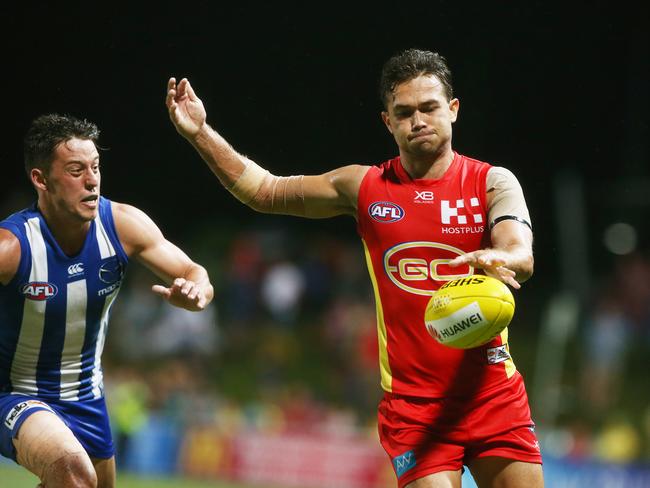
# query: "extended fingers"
[187,87]
[189,289]
[507,276]
[464,259]
[479,259]
[170,100]
[486,260]
[161,290]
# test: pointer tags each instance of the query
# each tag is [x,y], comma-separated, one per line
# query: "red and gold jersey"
[410,230]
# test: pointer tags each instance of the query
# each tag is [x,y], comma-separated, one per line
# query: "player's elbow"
[260,205]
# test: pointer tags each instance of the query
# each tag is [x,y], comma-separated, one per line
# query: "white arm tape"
[249,182]
[508,200]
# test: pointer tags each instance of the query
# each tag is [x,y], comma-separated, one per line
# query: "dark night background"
[542,88]
[556,92]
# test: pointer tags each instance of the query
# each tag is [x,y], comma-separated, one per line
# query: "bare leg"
[105,469]
[443,479]
[46,447]
[496,472]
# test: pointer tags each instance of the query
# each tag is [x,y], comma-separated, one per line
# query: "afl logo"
[386,212]
[39,291]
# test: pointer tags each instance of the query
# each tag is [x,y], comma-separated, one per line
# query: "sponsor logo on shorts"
[404,462]
[21,408]
[39,290]
[498,354]
[386,212]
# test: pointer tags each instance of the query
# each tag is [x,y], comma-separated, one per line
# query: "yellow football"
[468,312]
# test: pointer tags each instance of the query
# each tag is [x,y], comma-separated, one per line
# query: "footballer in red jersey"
[425,217]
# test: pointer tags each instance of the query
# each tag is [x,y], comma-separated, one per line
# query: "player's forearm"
[222,159]
[246,180]
[518,258]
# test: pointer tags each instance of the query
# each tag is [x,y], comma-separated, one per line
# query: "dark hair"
[47,132]
[410,64]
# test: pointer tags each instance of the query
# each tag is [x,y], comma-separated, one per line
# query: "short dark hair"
[46,132]
[410,64]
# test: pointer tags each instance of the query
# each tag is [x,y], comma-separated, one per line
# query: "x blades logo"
[423,197]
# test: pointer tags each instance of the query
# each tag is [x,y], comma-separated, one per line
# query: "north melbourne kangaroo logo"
[111,271]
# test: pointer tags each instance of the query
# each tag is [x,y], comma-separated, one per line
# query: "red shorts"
[427,435]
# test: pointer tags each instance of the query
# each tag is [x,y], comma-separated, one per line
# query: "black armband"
[510,217]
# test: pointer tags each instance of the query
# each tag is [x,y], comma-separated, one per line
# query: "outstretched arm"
[9,256]
[187,284]
[325,195]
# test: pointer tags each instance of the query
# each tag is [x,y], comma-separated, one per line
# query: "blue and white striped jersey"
[54,313]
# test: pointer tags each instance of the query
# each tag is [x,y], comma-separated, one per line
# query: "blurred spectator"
[133,316]
[618,442]
[243,266]
[282,289]
[179,331]
[127,402]
[606,342]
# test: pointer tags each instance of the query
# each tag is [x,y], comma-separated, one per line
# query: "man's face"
[419,116]
[71,186]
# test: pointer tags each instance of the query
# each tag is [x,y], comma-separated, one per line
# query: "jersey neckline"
[404,177]
[47,233]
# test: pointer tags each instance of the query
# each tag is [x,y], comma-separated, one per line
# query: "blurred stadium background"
[277,383]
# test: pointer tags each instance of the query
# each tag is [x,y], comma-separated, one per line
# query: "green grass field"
[16,477]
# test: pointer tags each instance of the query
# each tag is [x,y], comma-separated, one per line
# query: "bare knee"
[73,470]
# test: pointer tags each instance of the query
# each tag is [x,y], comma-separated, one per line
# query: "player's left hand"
[491,262]
[184,294]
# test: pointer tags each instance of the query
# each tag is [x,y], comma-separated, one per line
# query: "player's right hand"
[492,261]
[184,294]
[186,110]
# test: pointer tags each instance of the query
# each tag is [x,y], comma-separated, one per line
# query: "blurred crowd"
[290,344]
[605,408]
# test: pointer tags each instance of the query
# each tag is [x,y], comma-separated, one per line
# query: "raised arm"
[187,284]
[510,258]
[326,195]
[9,256]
